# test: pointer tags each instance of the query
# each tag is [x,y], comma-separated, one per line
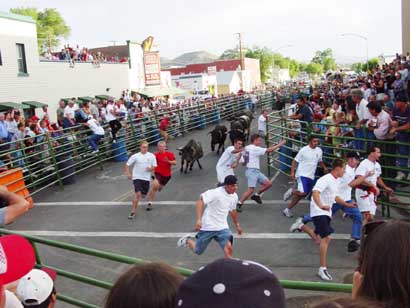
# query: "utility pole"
[113,42]
[241,51]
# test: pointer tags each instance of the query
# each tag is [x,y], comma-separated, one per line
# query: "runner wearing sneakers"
[324,194]
[344,190]
[366,194]
[229,161]
[143,164]
[162,173]
[307,159]
[212,222]
[250,158]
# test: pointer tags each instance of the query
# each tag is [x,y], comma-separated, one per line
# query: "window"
[21,59]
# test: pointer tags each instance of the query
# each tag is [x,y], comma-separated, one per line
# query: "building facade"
[405,24]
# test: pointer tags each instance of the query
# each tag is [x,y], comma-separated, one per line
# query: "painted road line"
[120,203]
[123,196]
[174,235]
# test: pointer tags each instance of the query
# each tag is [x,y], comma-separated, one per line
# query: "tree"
[230,54]
[363,67]
[326,59]
[314,68]
[265,57]
[51,26]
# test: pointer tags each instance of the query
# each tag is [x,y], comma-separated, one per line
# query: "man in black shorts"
[162,172]
[143,164]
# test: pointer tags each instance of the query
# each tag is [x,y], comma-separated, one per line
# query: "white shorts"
[366,204]
[223,173]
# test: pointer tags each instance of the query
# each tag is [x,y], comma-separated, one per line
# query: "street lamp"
[367,45]
[276,50]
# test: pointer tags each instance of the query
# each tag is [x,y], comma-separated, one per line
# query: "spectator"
[227,283]
[111,118]
[98,133]
[60,112]
[383,272]
[398,84]
[363,116]
[153,285]
[36,289]
[401,127]
[3,129]
[69,115]
[380,122]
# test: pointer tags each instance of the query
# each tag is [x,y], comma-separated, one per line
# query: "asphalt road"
[153,235]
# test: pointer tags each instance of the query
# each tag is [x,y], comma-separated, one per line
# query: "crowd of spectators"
[371,109]
[77,54]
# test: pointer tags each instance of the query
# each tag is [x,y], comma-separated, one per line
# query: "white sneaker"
[183,241]
[297,225]
[288,194]
[286,212]
[324,274]
[400,176]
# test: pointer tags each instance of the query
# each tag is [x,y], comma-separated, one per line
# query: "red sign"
[152,68]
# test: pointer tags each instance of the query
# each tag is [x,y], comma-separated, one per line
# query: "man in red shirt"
[165,160]
[163,126]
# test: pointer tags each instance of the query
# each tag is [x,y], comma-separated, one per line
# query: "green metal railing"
[56,157]
[103,255]
[295,132]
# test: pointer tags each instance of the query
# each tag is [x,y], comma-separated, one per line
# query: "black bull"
[190,153]
[218,137]
[240,128]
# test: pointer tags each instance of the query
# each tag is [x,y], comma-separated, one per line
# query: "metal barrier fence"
[296,132]
[79,278]
[55,158]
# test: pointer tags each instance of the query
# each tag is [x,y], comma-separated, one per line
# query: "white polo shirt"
[69,112]
[140,163]
[109,116]
[95,127]
[327,186]
[262,123]
[344,191]
[226,159]
[307,159]
[218,205]
[251,156]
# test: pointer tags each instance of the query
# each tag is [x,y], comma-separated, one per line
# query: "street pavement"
[153,235]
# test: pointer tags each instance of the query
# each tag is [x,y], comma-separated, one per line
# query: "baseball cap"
[232,283]
[16,258]
[401,97]
[35,287]
[353,154]
[230,180]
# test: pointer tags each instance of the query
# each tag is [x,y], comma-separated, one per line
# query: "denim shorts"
[203,238]
[254,177]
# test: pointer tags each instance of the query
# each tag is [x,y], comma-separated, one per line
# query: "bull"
[240,128]
[218,137]
[190,153]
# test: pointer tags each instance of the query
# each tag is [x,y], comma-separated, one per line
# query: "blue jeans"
[203,238]
[352,212]
[404,150]
[359,144]
[93,141]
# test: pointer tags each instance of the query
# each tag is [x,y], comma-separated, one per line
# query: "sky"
[181,26]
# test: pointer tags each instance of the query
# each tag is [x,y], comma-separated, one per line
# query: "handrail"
[295,132]
[287,284]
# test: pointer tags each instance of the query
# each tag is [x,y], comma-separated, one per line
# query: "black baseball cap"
[231,283]
[353,154]
[230,180]
[401,97]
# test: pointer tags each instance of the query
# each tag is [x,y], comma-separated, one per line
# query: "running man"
[250,158]
[324,194]
[229,161]
[366,194]
[344,191]
[143,164]
[162,173]
[307,159]
[212,222]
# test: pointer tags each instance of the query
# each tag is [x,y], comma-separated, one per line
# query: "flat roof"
[17,17]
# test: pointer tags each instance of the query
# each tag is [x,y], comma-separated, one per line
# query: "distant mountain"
[194,57]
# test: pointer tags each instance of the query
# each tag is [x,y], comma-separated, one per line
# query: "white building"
[24,77]
[228,82]
[196,82]
[279,75]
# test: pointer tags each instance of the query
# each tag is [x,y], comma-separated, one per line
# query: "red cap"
[16,258]
[35,118]
[50,272]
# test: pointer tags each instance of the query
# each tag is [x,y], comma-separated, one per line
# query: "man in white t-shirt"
[367,193]
[111,118]
[251,159]
[307,159]
[69,115]
[143,164]
[212,222]
[324,194]
[229,160]
[363,115]
[98,133]
[262,123]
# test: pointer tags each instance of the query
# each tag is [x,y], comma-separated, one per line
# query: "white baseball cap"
[34,288]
